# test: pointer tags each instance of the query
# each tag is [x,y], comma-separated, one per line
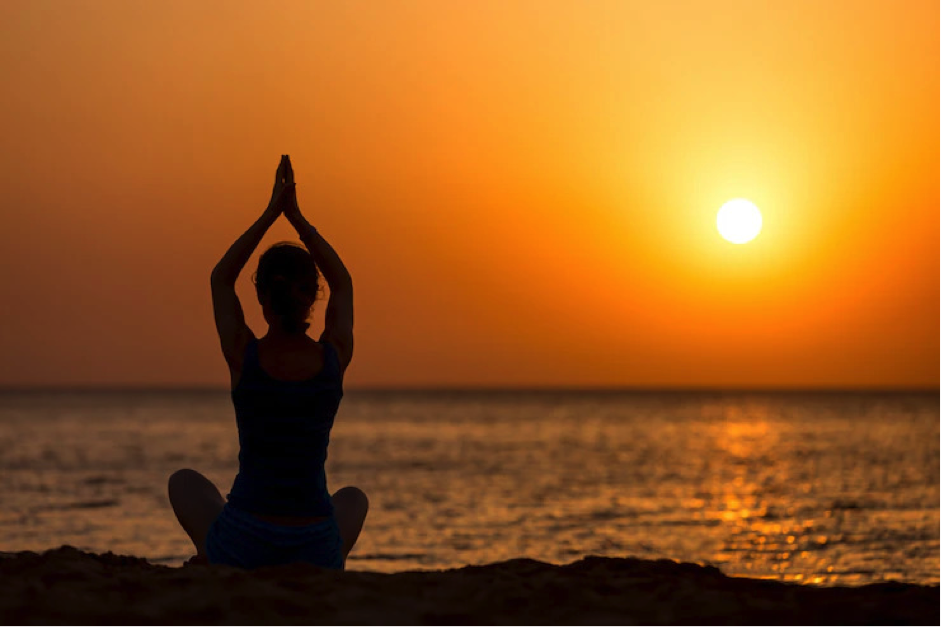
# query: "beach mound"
[66,585]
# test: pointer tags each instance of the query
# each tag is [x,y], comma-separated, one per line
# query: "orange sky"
[524,192]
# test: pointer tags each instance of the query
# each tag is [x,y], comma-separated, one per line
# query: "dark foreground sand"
[68,586]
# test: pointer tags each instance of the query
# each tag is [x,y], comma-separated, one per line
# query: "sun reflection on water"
[768,537]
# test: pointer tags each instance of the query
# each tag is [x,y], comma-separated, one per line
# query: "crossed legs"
[197,502]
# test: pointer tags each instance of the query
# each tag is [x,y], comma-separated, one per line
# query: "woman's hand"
[279,193]
[291,210]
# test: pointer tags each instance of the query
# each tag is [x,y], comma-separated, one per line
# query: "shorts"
[237,538]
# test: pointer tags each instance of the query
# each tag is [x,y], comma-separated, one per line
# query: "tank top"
[284,429]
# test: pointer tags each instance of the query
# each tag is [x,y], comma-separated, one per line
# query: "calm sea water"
[820,488]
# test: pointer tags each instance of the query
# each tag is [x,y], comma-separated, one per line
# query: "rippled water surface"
[822,488]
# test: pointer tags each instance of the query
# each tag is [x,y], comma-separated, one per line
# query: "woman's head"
[287,283]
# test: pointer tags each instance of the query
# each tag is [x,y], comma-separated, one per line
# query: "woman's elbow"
[218,276]
[341,283]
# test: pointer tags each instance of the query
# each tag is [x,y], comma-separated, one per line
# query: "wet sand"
[66,585]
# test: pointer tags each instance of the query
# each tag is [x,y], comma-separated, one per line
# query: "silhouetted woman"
[286,388]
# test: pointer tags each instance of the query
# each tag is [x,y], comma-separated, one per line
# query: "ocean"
[818,487]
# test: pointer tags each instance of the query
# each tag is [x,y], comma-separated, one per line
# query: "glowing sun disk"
[739,221]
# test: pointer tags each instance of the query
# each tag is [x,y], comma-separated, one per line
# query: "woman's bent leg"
[350,506]
[196,503]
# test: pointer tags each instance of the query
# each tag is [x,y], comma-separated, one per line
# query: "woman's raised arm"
[227,310]
[338,319]
[231,264]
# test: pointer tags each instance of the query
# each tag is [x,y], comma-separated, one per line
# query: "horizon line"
[490,389]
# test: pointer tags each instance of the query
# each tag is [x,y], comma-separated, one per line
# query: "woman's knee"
[353,497]
[187,483]
[181,478]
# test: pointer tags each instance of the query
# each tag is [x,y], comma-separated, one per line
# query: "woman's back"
[294,359]
[284,431]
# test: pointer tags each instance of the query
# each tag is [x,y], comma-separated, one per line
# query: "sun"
[739,221]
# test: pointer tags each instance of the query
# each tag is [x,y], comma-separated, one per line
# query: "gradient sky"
[524,192]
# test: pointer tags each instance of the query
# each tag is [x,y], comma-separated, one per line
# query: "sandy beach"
[66,585]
